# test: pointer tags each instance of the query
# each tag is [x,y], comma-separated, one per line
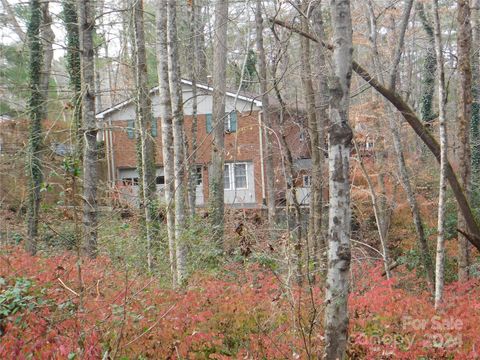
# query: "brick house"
[244,140]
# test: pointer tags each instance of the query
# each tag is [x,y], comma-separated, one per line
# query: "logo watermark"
[433,332]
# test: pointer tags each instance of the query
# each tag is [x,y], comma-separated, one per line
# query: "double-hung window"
[131,129]
[229,122]
[235,176]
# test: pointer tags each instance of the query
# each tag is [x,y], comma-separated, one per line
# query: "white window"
[307,180]
[226,177]
[240,176]
[235,176]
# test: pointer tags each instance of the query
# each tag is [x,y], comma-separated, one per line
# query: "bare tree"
[464,44]
[179,162]
[321,106]
[267,124]
[339,138]
[216,186]
[146,147]
[86,21]
[166,124]
[193,59]
[440,259]
[315,188]
[37,114]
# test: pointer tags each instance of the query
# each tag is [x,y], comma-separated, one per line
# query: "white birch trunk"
[166,124]
[340,137]
[440,258]
[178,140]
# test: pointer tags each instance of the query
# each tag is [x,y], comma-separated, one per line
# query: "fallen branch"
[66,287]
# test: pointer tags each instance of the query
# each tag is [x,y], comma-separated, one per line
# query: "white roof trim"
[102,114]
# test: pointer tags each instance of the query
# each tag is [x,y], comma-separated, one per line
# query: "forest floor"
[55,306]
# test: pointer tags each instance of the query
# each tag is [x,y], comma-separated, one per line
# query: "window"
[226,177]
[209,123]
[302,135]
[307,180]
[198,175]
[154,128]
[369,145]
[229,122]
[235,176]
[131,129]
[160,180]
[130,181]
[240,176]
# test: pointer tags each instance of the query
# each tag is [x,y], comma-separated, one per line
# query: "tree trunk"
[74,70]
[440,259]
[315,216]
[429,68]
[179,162]
[86,22]
[464,44]
[166,124]
[475,123]
[145,155]
[12,19]
[267,123]
[193,60]
[48,38]
[216,186]
[339,138]
[36,114]
[321,105]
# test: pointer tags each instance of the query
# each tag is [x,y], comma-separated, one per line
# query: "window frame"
[230,187]
[232,176]
[130,128]
[307,183]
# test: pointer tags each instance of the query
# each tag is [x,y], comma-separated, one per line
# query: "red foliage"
[245,314]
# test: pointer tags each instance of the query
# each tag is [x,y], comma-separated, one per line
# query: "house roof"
[242,96]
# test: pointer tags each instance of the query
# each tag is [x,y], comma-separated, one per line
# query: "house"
[244,147]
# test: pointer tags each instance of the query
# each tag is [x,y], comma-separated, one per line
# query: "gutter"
[262,171]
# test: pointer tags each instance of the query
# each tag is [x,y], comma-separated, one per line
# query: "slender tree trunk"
[315,216]
[193,60]
[267,123]
[339,138]
[216,186]
[90,165]
[48,38]
[12,19]
[179,162]
[167,134]
[321,105]
[36,114]
[398,147]
[376,212]
[440,260]
[74,70]
[464,44]
[146,153]
[429,67]
[475,122]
